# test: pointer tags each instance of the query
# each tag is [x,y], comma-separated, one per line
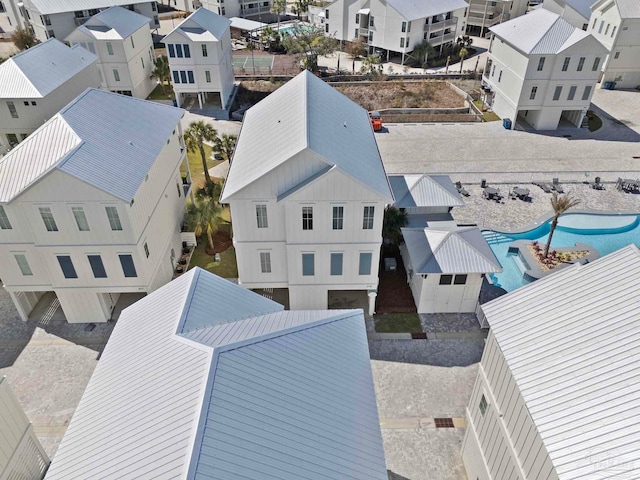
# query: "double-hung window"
[97,267]
[596,64]
[532,95]
[114,218]
[81,219]
[307,218]
[587,92]
[12,109]
[367,218]
[364,264]
[187,51]
[47,218]
[265,262]
[5,224]
[23,265]
[308,264]
[179,50]
[68,270]
[204,50]
[207,76]
[557,92]
[337,220]
[109,48]
[172,50]
[572,92]
[261,216]
[336,263]
[580,64]
[541,64]
[565,65]
[128,268]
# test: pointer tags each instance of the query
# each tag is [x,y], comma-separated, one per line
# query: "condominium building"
[254,9]
[483,14]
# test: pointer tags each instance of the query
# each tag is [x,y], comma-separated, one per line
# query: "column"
[372,301]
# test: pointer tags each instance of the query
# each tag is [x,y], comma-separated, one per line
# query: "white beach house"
[205,379]
[199,51]
[556,395]
[91,205]
[37,83]
[307,191]
[122,40]
[542,71]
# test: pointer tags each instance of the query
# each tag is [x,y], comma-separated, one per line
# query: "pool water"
[606,233]
[289,30]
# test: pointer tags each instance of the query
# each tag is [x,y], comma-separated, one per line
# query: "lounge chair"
[546,188]
[557,186]
[597,185]
[461,189]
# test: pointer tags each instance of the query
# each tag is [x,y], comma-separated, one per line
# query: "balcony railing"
[440,39]
[434,27]
[363,32]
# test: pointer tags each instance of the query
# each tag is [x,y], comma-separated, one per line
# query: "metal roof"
[284,395]
[114,23]
[424,191]
[628,8]
[202,26]
[244,24]
[572,342]
[98,139]
[539,32]
[449,250]
[41,69]
[307,114]
[415,9]
[47,7]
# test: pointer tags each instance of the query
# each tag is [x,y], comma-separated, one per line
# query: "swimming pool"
[606,233]
[290,29]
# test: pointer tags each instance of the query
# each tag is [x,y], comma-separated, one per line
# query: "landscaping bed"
[397,323]
[555,257]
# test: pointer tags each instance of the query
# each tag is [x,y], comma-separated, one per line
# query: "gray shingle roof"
[449,250]
[283,395]
[306,113]
[415,9]
[114,22]
[424,191]
[106,140]
[38,71]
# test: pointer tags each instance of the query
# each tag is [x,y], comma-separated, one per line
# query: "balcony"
[363,32]
[441,39]
[435,27]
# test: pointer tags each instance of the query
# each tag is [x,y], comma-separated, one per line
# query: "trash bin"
[506,123]
[175,102]
[483,183]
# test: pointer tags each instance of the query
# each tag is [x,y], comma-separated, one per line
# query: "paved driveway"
[417,381]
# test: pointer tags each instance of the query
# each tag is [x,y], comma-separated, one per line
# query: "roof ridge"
[24,75]
[472,247]
[544,35]
[305,110]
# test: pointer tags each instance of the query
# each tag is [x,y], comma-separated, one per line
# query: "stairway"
[494,238]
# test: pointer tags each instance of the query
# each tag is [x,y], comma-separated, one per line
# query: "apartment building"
[91,205]
[484,14]
[307,191]
[199,51]
[254,9]
[122,40]
[542,71]
[37,83]
[58,18]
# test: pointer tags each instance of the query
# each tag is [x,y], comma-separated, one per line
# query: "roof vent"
[345,124]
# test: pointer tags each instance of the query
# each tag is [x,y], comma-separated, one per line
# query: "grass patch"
[595,122]
[195,164]
[227,267]
[158,94]
[486,115]
[397,323]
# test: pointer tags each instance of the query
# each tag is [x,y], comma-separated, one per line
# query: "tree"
[300,7]
[307,43]
[224,146]
[560,204]
[278,7]
[357,48]
[421,52]
[161,70]
[202,217]
[271,38]
[372,65]
[195,136]
[463,54]
[394,220]
[464,41]
[24,39]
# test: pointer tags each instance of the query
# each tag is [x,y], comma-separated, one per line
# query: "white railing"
[434,27]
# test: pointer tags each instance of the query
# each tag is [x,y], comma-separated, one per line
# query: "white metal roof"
[572,342]
[285,395]
[628,8]
[47,7]
[98,139]
[38,71]
[306,113]
[539,32]
[114,23]
[449,250]
[424,191]
[415,9]
[202,26]
[245,24]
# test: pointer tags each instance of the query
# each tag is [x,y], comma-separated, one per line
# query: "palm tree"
[161,70]
[463,54]
[394,220]
[195,136]
[202,217]
[224,146]
[560,204]
[278,7]
[421,52]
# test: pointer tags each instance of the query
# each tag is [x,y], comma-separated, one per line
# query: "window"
[500,76]
[308,260]
[133,45]
[261,216]
[154,7]
[307,218]
[336,264]
[595,20]
[47,218]
[179,50]
[581,63]
[371,22]
[364,265]
[5,224]
[541,64]
[114,219]
[616,55]
[142,60]
[532,95]
[97,266]
[557,92]
[116,75]
[367,218]
[357,21]
[326,28]
[265,262]
[207,76]
[601,25]
[67,266]
[613,32]
[146,250]
[47,20]
[204,50]
[326,14]
[404,27]
[459,279]
[338,218]
[446,279]
[565,65]
[402,43]
[493,71]
[81,219]
[606,30]
[176,76]
[172,50]
[572,92]
[23,265]
[183,76]
[371,36]
[12,109]
[596,64]
[483,405]
[357,33]
[587,92]
[109,48]
[190,76]
[128,268]
[187,51]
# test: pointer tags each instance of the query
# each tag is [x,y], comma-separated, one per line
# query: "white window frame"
[23,264]
[114,218]
[5,224]
[81,219]
[262,217]
[307,218]
[368,217]
[265,262]
[337,217]
[49,220]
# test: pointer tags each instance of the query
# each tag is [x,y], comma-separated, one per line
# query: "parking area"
[416,382]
